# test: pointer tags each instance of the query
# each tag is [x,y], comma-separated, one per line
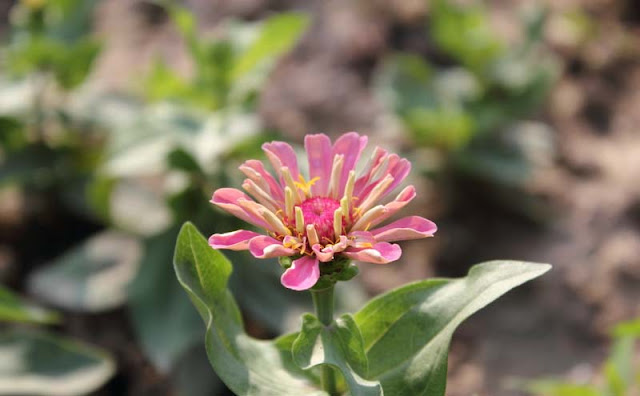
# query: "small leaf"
[13,309]
[277,36]
[38,363]
[407,331]
[92,277]
[180,159]
[339,345]
[246,365]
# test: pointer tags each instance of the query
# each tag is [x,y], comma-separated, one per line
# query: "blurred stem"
[323,303]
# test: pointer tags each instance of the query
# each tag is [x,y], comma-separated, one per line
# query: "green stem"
[323,303]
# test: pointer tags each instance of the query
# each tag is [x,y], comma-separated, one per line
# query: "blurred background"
[119,118]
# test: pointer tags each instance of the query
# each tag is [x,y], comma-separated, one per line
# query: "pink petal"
[320,160]
[266,247]
[235,240]
[399,169]
[412,227]
[281,154]
[350,145]
[255,171]
[377,158]
[302,275]
[380,253]
[361,239]
[323,254]
[400,201]
[227,199]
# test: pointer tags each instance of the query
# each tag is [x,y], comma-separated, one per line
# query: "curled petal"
[380,253]
[255,171]
[350,145]
[323,254]
[266,247]
[318,149]
[401,200]
[412,227]
[236,240]
[375,162]
[361,239]
[229,199]
[302,275]
[281,154]
[399,169]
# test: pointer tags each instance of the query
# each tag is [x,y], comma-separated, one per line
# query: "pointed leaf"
[339,345]
[13,309]
[278,34]
[407,331]
[246,365]
[38,363]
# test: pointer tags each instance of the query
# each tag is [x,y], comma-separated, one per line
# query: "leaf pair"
[397,344]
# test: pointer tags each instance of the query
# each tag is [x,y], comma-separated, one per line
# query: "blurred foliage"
[619,376]
[468,98]
[227,70]
[52,37]
[36,362]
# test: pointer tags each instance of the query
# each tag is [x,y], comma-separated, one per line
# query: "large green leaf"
[407,331]
[92,277]
[38,363]
[13,309]
[339,345]
[246,365]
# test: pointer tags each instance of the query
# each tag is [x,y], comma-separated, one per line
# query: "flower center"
[319,212]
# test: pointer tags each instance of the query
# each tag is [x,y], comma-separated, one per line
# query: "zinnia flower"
[333,214]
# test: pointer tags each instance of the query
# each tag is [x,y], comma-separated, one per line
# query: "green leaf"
[163,318]
[407,331]
[279,33]
[246,365]
[38,363]
[339,345]
[465,32]
[629,328]
[92,277]
[180,159]
[13,309]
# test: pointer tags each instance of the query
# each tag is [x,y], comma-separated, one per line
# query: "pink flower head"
[332,214]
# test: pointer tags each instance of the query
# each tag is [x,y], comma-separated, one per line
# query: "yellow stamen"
[274,221]
[312,235]
[299,220]
[367,218]
[288,202]
[305,186]
[288,180]
[348,194]
[337,222]
[345,208]
[336,171]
